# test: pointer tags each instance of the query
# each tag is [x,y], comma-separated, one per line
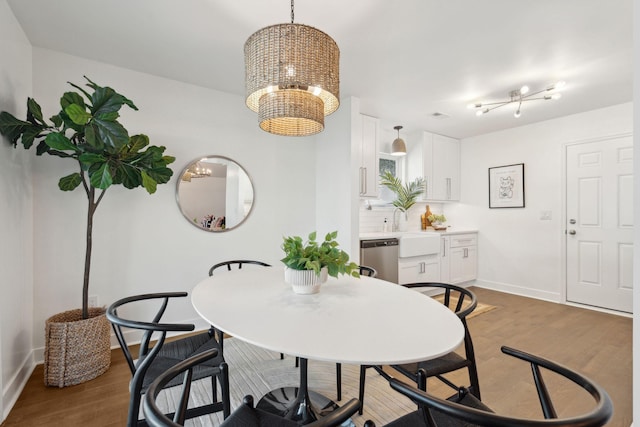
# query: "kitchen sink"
[418,244]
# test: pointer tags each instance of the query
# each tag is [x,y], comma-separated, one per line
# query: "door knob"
[572,231]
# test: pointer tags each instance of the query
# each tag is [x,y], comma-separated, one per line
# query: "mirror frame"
[179,181]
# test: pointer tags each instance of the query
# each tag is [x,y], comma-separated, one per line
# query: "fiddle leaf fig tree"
[87,131]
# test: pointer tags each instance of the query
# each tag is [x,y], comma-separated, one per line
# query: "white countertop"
[398,234]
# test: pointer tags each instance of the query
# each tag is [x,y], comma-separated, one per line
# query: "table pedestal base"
[289,403]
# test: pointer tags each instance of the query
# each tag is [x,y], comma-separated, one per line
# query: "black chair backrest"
[237,263]
[460,300]
[596,417]
[154,416]
[368,271]
[149,328]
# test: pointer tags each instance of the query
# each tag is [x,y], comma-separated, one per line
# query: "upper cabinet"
[437,159]
[368,173]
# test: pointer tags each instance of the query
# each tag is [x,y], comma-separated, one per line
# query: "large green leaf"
[127,175]
[106,100]
[148,183]
[72,98]
[34,112]
[29,135]
[57,120]
[110,134]
[88,159]
[137,143]
[70,182]
[78,114]
[101,177]
[160,175]
[58,141]
[125,100]
[12,127]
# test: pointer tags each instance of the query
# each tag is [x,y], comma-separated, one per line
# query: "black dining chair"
[367,271]
[157,355]
[462,301]
[466,410]
[246,415]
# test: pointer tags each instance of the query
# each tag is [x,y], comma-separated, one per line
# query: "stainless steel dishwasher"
[381,254]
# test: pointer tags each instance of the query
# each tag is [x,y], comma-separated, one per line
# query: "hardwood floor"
[596,344]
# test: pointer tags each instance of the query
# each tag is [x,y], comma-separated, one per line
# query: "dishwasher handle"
[378,243]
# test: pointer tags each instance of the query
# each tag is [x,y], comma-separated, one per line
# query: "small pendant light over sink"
[398,147]
[292,78]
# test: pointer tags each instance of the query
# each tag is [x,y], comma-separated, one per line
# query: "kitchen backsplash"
[372,221]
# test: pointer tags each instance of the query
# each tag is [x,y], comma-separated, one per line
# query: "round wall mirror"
[214,193]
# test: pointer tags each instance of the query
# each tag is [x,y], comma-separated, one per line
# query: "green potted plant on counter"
[87,131]
[406,195]
[308,264]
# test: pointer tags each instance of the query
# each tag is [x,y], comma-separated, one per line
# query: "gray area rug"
[255,371]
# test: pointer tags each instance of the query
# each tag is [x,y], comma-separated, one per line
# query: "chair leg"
[224,385]
[363,374]
[281,356]
[214,388]
[473,378]
[339,381]
[297,362]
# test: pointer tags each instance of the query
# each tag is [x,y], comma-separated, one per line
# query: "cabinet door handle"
[444,249]
[466,252]
[364,180]
[448,188]
[361,181]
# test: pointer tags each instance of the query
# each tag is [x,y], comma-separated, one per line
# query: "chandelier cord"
[292,11]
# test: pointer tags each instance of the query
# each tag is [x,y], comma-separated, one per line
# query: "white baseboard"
[518,290]
[16,384]
[132,336]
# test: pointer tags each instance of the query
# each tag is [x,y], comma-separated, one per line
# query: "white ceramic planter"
[305,282]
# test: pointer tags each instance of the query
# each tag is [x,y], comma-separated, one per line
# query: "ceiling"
[404,60]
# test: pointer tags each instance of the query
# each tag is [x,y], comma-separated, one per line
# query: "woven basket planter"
[76,349]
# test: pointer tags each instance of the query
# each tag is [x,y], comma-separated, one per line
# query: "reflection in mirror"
[214,193]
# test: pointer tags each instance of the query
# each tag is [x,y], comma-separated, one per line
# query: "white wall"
[517,251]
[142,243]
[334,179]
[636,200]
[16,281]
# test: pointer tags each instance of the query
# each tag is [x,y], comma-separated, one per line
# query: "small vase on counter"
[425,218]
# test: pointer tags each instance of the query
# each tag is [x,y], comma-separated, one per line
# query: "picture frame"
[506,186]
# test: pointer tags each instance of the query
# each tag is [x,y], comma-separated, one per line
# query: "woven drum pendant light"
[292,78]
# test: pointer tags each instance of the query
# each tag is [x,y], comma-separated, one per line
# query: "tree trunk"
[87,257]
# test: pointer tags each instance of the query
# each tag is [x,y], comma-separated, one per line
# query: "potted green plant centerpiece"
[406,194]
[87,131]
[308,264]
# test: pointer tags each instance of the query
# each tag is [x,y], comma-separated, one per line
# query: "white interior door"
[599,226]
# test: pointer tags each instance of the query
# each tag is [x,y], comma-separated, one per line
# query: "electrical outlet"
[93,300]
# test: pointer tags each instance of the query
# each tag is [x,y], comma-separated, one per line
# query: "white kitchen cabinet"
[459,258]
[437,159]
[445,172]
[425,268]
[368,172]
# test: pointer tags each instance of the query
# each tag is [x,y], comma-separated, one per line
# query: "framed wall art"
[506,186]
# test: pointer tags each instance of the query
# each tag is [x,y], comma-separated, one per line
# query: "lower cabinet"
[459,258]
[416,269]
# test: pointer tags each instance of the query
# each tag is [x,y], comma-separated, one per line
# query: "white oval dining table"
[362,321]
